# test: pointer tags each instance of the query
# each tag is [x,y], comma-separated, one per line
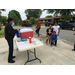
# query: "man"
[54,38]
[48,33]
[74,45]
[38,27]
[9,35]
[56,28]
[46,24]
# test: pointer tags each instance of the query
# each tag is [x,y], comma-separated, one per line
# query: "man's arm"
[37,25]
[58,31]
[46,34]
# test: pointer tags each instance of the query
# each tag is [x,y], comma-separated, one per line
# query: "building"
[52,19]
[25,21]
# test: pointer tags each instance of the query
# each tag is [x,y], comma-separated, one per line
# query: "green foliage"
[0,26]
[33,13]
[60,11]
[17,14]
[32,20]
[43,23]
[13,15]
[2,34]
[1,10]
[66,17]
[48,16]
[3,19]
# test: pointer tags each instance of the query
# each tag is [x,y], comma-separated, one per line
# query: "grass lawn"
[36,24]
[2,33]
[17,25]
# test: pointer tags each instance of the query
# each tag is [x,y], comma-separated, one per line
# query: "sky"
[23,15]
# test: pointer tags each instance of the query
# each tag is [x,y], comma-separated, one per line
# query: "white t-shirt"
[55,28]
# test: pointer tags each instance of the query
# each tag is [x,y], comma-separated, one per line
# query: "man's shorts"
[48,37]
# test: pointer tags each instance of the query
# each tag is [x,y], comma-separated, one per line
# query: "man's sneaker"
[73,50]
[12,61]
[55,45]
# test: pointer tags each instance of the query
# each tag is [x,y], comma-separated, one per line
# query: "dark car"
[26,25]
[48,23]
[67,24]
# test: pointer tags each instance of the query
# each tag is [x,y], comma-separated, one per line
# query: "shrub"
[32,20]
[42,22]
[0,26]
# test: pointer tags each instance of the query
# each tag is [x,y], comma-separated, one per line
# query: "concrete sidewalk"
[4,45]
[60,55]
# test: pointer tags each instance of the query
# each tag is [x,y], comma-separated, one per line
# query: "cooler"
[26,33]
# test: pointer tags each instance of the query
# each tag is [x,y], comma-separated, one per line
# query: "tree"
[66,17]
[36,13]
[1,10]
[48,16]
[3,19]
[0,26]
[32,20]
[13,15]
[17,14]
[64,13]
[60,12]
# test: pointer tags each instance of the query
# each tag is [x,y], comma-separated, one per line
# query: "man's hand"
[58,31]
[46,35]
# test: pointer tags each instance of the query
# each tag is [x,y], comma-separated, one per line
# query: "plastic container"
[26,33]
[24,39]
[29,39]
[17,34]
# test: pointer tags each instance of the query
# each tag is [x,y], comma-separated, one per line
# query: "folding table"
[30,46]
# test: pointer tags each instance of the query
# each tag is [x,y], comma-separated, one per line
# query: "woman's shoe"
[12,61]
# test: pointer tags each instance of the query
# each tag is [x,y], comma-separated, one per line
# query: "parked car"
[26,25]
[67,24]
[48,23]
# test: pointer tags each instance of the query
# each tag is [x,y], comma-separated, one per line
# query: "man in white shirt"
[56,28]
